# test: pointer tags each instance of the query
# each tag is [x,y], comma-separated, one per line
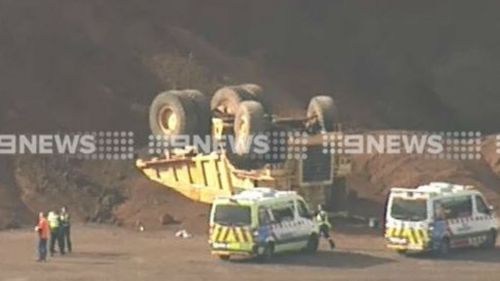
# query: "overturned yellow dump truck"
[294,157]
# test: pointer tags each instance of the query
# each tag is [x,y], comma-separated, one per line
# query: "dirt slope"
[490,154]
[94,65]
[385,64]
[95,191]
[374,175]
[157,207]
[13,211]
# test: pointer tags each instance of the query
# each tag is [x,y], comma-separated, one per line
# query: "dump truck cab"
[261,222]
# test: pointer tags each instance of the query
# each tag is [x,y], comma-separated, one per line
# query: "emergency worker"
[324,225]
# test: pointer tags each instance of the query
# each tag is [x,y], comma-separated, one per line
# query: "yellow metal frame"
[203,177]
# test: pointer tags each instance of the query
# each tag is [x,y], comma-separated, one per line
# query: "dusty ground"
[107,253]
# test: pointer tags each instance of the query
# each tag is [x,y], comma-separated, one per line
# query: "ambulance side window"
[481,206]
[303,210]
[284,213]
[457,207]
[264,217]
[440,212]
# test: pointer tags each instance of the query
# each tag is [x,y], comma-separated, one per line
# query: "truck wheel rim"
[244,128]
[243,131]
[167,119]
[225,107]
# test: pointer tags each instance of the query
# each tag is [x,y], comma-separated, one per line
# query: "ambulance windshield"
[409,209]
[232,215]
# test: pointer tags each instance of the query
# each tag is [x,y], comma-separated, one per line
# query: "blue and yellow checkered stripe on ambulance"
[231,234]
[414,236]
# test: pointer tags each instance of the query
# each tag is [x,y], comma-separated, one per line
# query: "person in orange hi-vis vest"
[43,236]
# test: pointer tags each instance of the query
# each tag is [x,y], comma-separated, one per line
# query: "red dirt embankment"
[89,65]
[13,211]
[373,175]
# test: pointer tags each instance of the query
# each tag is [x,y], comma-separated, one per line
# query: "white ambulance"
[261,222]
[437,217]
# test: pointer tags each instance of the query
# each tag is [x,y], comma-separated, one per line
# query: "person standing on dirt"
[43,236]
[55,232]
[324,225]
[66,228]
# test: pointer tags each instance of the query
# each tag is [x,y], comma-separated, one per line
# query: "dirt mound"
[95,191]
[490,154]
[13,212]
[374,175]
[50,182]
[156,206]
[385,65]
[94,65]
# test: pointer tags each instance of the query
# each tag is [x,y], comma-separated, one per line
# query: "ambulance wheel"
[402,252]
[312,244]
[268,253]
[224,257]
[491,240]
[444,248]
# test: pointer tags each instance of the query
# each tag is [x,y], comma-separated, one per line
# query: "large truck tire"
[322,110]
[254,89]
[226,100]
[171,115]
[249,123]
[201,104]
[258,94]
